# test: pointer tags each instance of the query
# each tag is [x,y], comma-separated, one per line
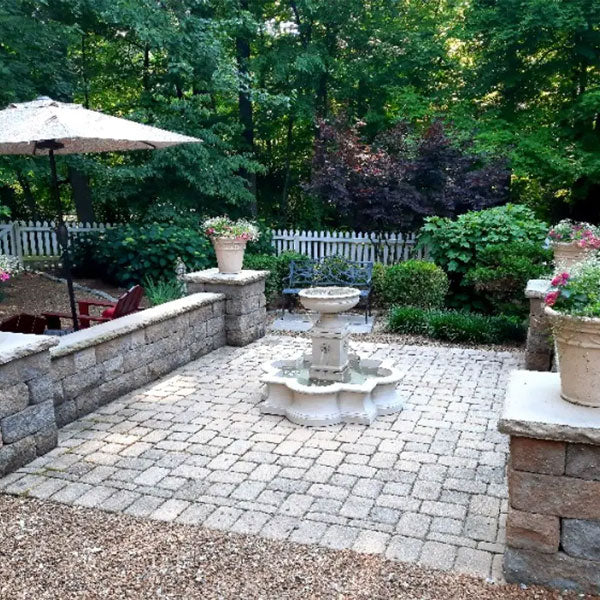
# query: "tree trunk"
[286,181]
[242,48]
[82,196]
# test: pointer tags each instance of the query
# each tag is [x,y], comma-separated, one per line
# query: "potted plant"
[229,239]
[572,242]
[9,266]
[573,306]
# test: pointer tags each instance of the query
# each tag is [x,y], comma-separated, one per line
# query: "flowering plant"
[9,266]
[583,234]
[577,293]
[224,227]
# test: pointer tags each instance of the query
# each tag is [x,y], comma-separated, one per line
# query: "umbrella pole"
[63,239]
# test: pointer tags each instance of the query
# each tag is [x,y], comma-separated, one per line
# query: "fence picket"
[39,239]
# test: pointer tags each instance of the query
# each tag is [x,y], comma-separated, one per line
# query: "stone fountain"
[330,385]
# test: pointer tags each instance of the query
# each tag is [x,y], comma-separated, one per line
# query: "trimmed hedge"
[456,326]
[411,283]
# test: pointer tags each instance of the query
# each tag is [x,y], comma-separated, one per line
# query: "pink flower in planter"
[560,279]
[552,297]
[4,276]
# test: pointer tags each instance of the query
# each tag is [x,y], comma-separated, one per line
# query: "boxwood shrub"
[411,283]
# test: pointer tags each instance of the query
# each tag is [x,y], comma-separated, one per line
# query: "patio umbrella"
[45,126]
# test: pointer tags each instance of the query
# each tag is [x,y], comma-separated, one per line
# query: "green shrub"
[456,326]
[266,262]
[502,273]
[162,290]
[125,255]
[409,319]
[379,270]
[414,283]
[456,245]
[263,246]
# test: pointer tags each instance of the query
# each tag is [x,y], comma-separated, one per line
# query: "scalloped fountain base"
[369,390]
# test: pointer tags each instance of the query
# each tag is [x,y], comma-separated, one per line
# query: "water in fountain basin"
[354,374]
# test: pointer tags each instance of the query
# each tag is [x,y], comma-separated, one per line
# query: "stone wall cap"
[537,288]
[19,345]
[110,330]
[244,277]
[534,408]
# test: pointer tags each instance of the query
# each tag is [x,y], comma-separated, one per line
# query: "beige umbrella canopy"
[45,126]
[24,127]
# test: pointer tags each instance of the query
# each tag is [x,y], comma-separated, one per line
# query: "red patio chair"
[128,303]
[24,323]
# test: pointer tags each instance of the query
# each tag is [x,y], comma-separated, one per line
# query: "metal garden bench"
[331,271]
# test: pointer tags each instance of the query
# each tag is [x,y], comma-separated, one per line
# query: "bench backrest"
[129,302]
[331,271]
[24,323]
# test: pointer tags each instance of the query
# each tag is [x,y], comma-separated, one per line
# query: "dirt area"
[50,551]
[32,293]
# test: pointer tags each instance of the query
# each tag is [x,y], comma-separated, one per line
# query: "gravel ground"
[34,294]
[50,551]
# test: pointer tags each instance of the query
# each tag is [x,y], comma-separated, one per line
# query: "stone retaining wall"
[553,526]
[96,365]
[27,423]
[245,308]
[539,348]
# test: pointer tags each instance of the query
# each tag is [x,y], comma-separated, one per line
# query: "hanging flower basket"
[573,307]
[229,239]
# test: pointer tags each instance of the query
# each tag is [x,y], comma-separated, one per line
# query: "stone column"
[540,347]
[245,306]
[553,526]
[27,423]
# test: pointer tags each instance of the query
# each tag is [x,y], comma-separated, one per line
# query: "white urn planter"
[578,347]
[568,255]
[230,254]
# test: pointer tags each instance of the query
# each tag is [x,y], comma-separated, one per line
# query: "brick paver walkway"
[424,485]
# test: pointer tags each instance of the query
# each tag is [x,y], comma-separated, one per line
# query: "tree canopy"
[518,81]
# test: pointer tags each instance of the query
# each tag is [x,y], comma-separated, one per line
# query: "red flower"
[552,297]
[560,279]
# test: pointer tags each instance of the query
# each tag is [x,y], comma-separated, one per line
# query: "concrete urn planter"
[568,255]
[578,346]
[230,254]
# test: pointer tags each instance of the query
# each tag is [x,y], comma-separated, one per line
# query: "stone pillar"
[27,423]
[245,306]
[539,348]
[553,526]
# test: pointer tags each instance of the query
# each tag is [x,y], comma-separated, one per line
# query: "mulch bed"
[50,551]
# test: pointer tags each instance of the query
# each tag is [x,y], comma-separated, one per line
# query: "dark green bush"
[126,254]
[263,245]
[266,262]
[456,245]
[414,283]
[456,326]
[409,319]
[502,273]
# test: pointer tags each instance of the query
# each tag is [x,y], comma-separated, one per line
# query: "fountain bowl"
[329,300]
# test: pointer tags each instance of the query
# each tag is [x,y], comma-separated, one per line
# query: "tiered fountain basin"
[330,385]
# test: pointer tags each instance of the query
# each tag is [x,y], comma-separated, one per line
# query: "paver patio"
[424,485]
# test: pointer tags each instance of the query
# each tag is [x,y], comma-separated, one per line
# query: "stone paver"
[425,485]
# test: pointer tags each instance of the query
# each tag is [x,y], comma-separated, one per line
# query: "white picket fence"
[38,239]
[387,248]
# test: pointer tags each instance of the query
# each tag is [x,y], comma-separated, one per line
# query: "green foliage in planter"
[577,293]
[456,244]
[159,291]
[412,283]
[456,326]
[502,273]
[125,255]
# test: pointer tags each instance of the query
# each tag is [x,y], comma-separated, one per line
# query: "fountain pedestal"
[330,385]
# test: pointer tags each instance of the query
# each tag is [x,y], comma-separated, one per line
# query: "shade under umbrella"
[77,130]
[45,126]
